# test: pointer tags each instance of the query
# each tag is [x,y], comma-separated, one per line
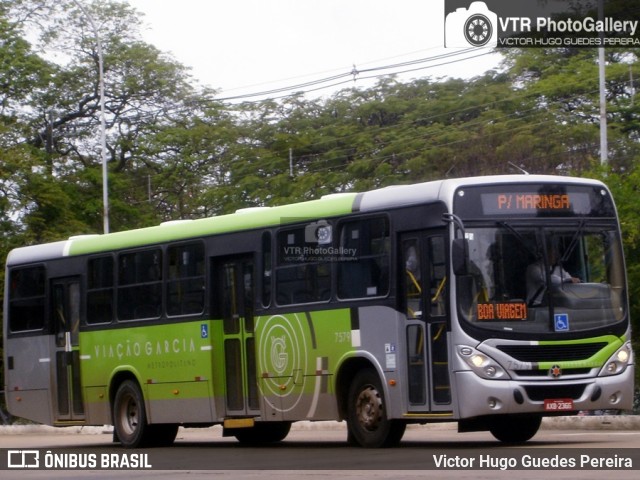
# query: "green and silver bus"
[488,301]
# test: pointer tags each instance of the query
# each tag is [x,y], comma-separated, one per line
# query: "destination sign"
[490,312]
[534,203]
[531,200]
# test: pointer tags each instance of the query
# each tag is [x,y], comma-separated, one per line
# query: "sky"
[241,47]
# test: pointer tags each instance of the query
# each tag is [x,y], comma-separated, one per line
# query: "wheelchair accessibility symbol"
[561,322]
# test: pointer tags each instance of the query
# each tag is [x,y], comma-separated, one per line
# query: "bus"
[487,301]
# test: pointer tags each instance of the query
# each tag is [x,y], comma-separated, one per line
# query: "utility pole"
[631,87]
[291,162]
[103,121]
[603,94]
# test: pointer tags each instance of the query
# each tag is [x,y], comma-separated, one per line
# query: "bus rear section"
[41,340]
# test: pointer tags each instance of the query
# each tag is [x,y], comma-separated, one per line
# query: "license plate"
[558,405]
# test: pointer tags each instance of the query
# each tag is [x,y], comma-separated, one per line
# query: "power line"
[354,75]
[324,72]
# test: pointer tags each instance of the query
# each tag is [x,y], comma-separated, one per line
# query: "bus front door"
[236,278]
[65,310]
[424,287]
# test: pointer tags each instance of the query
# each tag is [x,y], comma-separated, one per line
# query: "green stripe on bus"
[268,217]
[595,361]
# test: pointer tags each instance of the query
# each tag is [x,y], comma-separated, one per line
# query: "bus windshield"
[543,280]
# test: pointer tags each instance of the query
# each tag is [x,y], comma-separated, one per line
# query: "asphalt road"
[569,451]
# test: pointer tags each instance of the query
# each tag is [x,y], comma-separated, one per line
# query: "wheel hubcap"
[130,415]
[369,408]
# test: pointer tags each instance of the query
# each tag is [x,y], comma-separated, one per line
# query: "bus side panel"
[28,377]
[171,362]
[186,402]
[97,408]
[298,356]
[381,334]
[296,360]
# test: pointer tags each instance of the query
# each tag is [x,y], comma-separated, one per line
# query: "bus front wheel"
[367,420]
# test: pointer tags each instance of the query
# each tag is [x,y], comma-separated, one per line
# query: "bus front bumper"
[478,396]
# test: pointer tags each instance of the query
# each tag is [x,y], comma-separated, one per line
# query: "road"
[320,451]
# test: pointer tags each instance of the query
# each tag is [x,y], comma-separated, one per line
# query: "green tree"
[145,92]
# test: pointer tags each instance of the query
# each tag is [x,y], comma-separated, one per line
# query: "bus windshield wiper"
[520,238]
[572,243]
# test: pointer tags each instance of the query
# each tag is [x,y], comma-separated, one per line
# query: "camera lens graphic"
[478,30]
[323,234]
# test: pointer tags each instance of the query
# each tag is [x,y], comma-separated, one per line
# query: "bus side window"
[437,276]
[140,284]
[303,272]
[411,278]
[185,285]
[363,258]
[100,290]
[267,269]
[27,299]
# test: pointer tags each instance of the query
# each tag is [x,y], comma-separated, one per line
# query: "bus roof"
[402,195]
[246,219]
[243,219]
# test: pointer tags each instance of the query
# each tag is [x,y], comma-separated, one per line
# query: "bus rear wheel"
[514,429]
[130,420]
[129,415]
[366,413]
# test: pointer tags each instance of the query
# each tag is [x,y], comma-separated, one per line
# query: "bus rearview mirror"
[459,256]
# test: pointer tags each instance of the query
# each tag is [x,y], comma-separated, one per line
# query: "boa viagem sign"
[541,23]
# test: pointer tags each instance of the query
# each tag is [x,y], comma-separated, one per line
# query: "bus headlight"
[618,362]
[483,365]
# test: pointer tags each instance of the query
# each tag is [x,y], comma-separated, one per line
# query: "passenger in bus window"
[413,263]
[537,280]
[413,282]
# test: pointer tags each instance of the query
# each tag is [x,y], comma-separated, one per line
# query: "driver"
[537,279]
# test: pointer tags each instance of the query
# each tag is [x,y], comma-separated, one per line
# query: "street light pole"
[103,121]
[604,147]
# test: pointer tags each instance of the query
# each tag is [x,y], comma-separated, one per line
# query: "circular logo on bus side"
[282,360]
[279,355]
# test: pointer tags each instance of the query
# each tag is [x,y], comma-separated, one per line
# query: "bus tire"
[514,429]
[367,420]
[130,416]
[162,434]
[263,432]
